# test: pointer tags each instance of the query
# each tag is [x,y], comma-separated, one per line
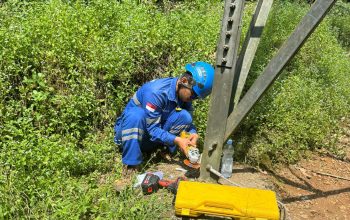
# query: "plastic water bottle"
[227,159]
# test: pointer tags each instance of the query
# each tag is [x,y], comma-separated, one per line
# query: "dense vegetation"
[67,68]
[302,110]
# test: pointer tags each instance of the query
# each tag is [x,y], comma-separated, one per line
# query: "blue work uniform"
[153,117]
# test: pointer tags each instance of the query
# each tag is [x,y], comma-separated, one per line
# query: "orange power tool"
[171,185]
[192,153]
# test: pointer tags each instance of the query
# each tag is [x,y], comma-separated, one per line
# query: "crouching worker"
[158,112]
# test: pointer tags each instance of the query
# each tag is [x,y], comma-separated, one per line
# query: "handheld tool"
[192,153]
[151,183]
[171,185]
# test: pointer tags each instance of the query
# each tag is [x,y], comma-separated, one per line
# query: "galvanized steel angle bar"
[249,48]
[288,50]
[230,32]
[221,94]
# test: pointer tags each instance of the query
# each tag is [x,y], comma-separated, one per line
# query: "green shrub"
[340,16]
[66,71]
[67,68]
[302,109]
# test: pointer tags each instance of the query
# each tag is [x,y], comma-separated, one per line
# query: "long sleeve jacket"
[158,98]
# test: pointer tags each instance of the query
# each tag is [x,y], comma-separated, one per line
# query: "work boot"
[128,173]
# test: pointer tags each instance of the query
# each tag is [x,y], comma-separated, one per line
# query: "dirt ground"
[315,188]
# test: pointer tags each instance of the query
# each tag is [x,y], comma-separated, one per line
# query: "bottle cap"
[229,141]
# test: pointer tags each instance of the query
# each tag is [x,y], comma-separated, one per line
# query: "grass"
[67,68]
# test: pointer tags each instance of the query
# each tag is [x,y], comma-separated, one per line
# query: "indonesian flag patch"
[150,107]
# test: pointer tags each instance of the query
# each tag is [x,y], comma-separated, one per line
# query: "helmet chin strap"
[181,85]
[186,85]
[189,85]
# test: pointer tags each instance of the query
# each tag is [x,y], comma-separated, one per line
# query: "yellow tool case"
[194,199]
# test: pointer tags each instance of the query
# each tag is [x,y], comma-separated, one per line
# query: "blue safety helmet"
[203,78]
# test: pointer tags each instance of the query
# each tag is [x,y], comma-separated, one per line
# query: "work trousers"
[132,137]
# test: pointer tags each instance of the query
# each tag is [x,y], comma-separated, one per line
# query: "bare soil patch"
[309,195]
[306,193]
[315,188]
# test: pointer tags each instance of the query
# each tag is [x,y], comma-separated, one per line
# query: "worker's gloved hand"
[193,139]
[182,143]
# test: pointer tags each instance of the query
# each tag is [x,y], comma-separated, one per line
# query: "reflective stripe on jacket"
[158,98]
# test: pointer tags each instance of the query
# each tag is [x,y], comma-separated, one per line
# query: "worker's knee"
[178,121]
[184,117]
[132,119]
